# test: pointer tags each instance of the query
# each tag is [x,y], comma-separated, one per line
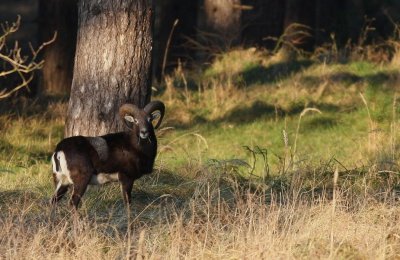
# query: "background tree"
[112,64]
[222,20]
[17,70]
[214,25]
[167,13]
[355,18]
[26,36]
[297,24]
[325,19]
[260,20]
[58,16]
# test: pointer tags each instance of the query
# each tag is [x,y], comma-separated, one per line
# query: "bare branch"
[21,66]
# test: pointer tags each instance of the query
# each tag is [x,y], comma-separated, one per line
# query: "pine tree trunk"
[355,18]
[223,18]
[297,12]
[324,20]
[167,12]
[112,64]
[58,16]
[264,19]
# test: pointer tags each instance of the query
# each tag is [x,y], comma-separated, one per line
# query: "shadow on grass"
[381,77]
[259,110]
[25,107]
[261,75]
[153,189]
[321,122]
[5,146]
[348,78]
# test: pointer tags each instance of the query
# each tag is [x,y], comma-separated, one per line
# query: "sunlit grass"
[238,174]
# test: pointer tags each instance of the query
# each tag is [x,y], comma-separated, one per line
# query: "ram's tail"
[55,162]
[60,169]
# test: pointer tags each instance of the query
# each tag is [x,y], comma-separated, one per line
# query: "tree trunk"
[112,64]
[297,12]
[58,16]
[264,19]
[355,18]
[223,18]
[325,14]
[167,12]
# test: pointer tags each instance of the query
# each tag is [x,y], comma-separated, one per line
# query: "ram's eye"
[149,119]
[135,121]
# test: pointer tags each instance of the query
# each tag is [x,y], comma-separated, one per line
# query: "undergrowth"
[258,159]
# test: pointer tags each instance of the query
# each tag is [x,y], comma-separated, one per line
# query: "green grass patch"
[249,152]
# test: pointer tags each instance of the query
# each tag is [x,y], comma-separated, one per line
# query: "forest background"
[280,139]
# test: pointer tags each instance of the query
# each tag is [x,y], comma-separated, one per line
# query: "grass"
[245,170]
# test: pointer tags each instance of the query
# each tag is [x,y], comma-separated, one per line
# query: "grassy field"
[258,159]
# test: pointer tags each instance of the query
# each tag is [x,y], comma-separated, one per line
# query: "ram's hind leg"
[60,191]
[81,181]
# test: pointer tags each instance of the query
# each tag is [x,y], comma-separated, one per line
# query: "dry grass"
[248,225]
[323,186]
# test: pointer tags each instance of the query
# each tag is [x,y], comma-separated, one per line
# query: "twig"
[164,64]
[21,65]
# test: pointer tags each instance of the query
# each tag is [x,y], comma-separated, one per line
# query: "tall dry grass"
[219,221]
[211,211]
[298,212]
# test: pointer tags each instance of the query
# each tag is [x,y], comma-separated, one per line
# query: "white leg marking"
[58,186]
[53,163]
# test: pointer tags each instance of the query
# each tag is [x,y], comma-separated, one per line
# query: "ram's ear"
[129,121]
[129,118]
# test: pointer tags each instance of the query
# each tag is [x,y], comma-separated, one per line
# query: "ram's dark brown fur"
[79,161]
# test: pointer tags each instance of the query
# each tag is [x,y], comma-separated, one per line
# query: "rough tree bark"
[112,64]
[223,17]
[58,16]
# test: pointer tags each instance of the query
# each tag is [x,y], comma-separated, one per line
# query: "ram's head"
[140,121]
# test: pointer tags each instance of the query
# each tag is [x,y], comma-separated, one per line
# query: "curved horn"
[153,106]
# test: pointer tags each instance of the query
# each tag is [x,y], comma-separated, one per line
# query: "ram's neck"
[146,147]
[149,147]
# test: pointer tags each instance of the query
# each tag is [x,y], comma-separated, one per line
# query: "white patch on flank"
[62,175]
[100,145]
[103,178]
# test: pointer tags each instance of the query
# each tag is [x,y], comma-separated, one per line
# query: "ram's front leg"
[126,186]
